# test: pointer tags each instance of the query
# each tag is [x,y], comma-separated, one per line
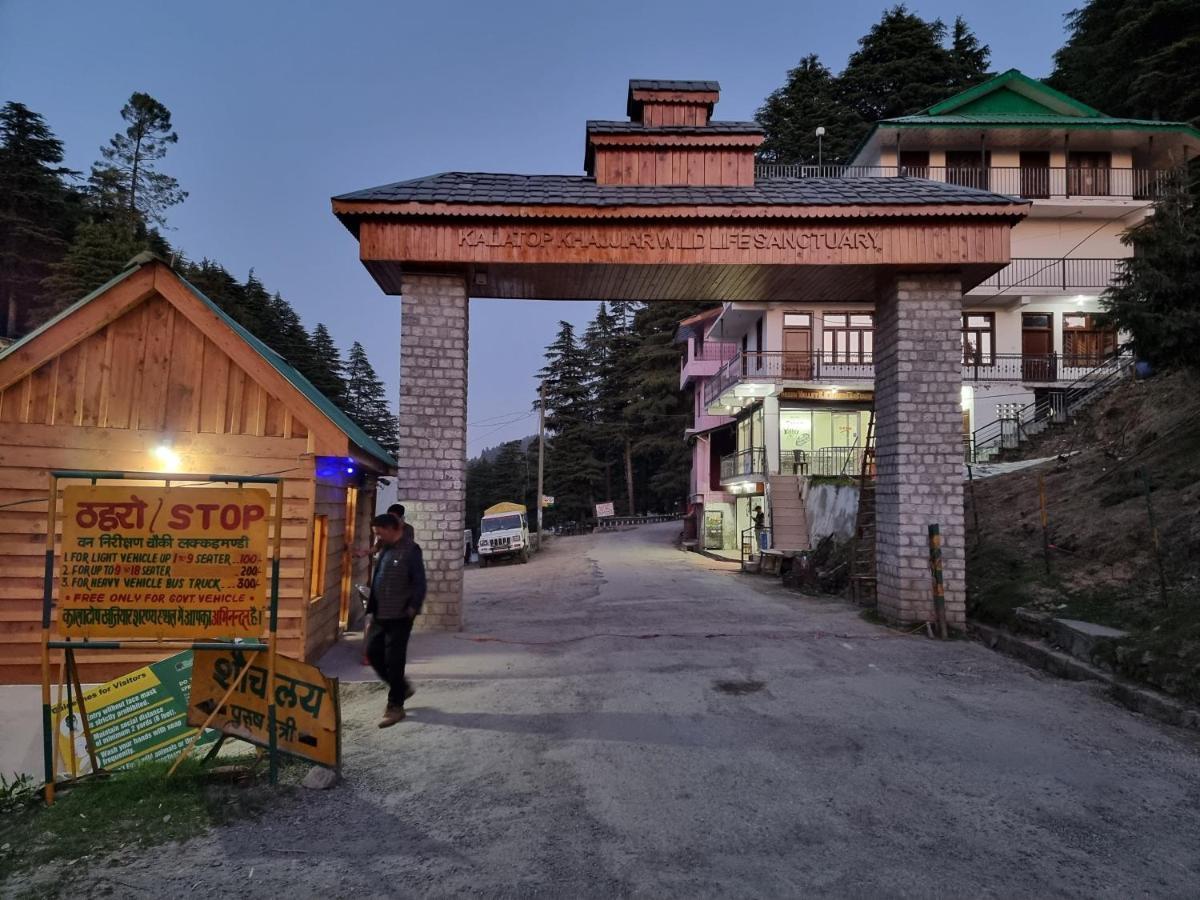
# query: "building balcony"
[1020,182]
[744,467]
[825,462]
[706,362]
[1033,275]
[752,376]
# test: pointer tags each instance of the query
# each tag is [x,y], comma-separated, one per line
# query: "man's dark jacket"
[399,582]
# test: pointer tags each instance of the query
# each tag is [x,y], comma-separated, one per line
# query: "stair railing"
[1055,405]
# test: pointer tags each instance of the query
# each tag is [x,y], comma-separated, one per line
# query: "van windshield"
[501,523]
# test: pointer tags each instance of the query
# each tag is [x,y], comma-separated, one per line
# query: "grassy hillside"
[1135,449]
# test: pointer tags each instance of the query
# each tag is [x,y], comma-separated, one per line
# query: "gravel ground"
[622,719]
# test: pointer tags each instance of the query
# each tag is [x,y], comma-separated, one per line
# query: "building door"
[797,353]
[968,168]
[1035,174]
[1087,174]
[914,163]
[1037,347]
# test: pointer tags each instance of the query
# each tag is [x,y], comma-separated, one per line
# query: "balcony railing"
[1025,182]
[781,366]
[827,462]
[1059,274]
[1031,368]
[712,351]
[745,465]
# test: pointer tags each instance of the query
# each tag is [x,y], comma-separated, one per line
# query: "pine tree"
[901,67]
[791,114]
[212,280]
[128,171]
[366,400]
[1133,58]
[327,367]
[658,411]
[99,251]
[36,212]
[608,383]
[571,466]
[1154,295]
[968,58]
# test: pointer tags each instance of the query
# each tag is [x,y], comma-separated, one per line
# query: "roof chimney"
[671,139]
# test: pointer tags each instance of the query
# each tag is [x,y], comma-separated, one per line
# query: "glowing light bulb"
[166,457]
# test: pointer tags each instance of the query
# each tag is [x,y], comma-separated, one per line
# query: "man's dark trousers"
[387,649]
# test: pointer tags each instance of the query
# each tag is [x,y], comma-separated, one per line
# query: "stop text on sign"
[179,562]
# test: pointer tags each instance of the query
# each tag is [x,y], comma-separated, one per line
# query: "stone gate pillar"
[433,435]
[919,446]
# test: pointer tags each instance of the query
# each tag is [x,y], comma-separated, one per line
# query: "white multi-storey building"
[784,391]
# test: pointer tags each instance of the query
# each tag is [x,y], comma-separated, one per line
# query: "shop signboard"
[163,562]
[827,394]
[141,716]
[306,702]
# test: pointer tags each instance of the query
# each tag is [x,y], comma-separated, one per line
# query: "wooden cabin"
[148,362]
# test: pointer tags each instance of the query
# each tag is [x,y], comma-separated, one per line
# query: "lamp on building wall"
[820,137]
[167,458]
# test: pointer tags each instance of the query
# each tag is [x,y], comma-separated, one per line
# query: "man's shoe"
[391,716]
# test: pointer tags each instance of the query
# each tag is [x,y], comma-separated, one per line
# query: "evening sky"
[280,105]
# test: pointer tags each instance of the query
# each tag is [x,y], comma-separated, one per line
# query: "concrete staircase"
[789,520]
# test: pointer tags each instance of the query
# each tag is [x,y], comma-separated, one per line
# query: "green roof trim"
[327,407]
[133,266]
[1013,81]
[1014,100]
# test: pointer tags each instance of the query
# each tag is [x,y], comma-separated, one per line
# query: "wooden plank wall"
[674,166]
[674,114]
[104,404]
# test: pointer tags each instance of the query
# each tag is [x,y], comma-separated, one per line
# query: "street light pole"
[820,136]
[541,455]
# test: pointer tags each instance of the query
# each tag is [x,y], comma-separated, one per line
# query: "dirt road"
[622,719]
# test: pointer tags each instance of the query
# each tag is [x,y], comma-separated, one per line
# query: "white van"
[503,531]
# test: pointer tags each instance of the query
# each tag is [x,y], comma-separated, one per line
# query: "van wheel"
[483,562]
[524,556]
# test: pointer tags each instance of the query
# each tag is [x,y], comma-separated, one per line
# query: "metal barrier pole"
[939,589]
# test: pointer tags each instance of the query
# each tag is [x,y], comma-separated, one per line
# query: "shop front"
[824,439]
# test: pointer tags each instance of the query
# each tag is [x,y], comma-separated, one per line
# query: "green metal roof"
[1014,100]
[989,97]
[327,407]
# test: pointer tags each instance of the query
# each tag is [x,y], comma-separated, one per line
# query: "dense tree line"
[62,236]
[1158,48]
[614,421]
[903,64]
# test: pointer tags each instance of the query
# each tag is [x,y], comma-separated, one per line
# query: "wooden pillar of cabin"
[433,435]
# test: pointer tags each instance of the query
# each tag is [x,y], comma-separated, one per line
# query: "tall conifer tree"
[36,213]
[366,400]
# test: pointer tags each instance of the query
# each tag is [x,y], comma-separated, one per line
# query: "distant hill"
[490,453]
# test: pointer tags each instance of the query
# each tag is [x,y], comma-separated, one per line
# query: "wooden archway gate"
[670,210]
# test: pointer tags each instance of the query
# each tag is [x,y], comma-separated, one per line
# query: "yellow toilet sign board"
[163,562]
[306,702]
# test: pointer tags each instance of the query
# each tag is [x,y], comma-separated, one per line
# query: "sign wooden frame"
[69,667]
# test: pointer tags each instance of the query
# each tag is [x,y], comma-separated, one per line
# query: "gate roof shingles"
[580,190]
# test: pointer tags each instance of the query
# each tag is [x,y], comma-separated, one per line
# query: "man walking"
[397,593]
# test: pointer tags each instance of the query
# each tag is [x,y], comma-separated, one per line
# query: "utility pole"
[541,455]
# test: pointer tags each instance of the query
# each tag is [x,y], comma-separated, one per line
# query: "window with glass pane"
[848,337]
[979,339]
[797,320]
[1086,341]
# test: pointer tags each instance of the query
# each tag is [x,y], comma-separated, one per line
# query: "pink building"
[713,507]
